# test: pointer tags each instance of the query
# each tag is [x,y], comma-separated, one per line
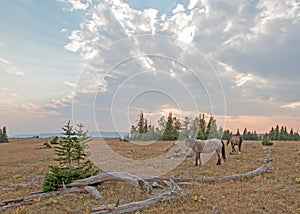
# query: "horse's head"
[187,141]
[228,140]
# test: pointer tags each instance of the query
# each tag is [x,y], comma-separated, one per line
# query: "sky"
[101,63]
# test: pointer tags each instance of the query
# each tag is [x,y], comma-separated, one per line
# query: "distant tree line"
[282,134]
[3,135]
[171,128]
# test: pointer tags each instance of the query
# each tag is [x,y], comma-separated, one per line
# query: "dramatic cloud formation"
[252,46]
[237,60]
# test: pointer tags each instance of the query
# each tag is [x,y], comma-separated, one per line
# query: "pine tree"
[81,143]
[276,133]
[245,134]
[171,132]
[133,132]
[194,129]
[145,130]
[141,123]
[65,149]
[212,129]
[272,134]
[226,134]
[201,131]
[186,126]
[220,132]
[3,135]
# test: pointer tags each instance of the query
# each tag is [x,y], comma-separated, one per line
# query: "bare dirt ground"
[23,165]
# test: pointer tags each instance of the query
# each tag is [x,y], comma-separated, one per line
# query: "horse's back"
[211,145]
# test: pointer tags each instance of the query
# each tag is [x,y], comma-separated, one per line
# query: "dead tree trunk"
[112,176]
[173,192]
[258,171]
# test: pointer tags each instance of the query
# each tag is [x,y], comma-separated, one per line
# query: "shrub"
[57,176]
[54,140]
[267,142]
[46,144]
[70,150]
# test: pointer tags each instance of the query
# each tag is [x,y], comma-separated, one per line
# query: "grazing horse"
[207,146]
[235,140]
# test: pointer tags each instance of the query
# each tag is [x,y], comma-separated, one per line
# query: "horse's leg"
[218,151]
[197,157]
[232,147]
[200,164]
[240,147]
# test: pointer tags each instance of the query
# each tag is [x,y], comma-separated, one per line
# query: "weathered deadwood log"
[262,169]
[112,176]
[174,192]
[94,192]
[28,199]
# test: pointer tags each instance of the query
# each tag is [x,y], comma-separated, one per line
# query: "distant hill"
[93,134]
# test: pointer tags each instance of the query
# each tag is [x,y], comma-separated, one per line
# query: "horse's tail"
[223,150]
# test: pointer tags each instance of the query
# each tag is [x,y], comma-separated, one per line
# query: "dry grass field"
[23,165]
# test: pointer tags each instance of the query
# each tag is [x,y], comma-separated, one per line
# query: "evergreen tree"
[226,134]
[81,143]
[171,131]
[133,132]
[276,133]
[212,129]
[145,126]
[186,126]
[245,134]
[3,135]
[195,127]
[272,134]
[220,132]
[161,125]
[202,129]
[255,136]
[238,132]
[66,144]
[141,124]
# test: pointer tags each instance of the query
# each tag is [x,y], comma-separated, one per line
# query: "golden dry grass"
[22,167]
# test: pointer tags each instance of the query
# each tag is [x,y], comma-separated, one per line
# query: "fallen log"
[174,191]
[10,203]
[112,176]
[262,169]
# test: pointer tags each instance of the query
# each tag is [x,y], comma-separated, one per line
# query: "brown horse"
[207,146]
[235,141]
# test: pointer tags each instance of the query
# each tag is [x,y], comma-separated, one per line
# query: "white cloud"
[291,105]
[70,84]
[15,71]
[187,34]
[77,4]
[241,79]
[2,60]
[179,9]
[252,44]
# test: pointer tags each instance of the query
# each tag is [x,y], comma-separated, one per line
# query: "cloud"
[15,71]
[73,85]
[291,105]
[78,4]
[2,60]
[252,45]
